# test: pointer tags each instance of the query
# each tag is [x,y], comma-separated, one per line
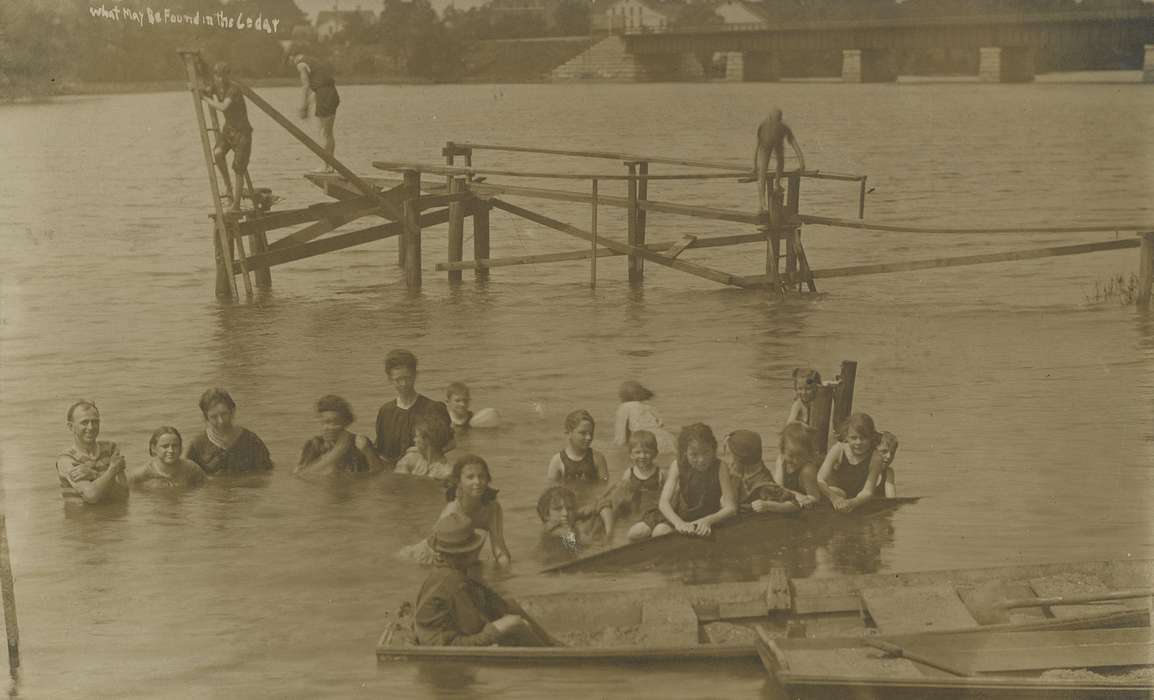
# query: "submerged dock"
[418,196]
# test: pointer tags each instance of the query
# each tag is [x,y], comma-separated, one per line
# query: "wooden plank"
[1037,651]
[691,268]
[984,601]
[917,609]
[390,208]
[332,221]
[953,230]
[1145,268]
[910,266]
[481,236]
[668,622]
[567,256]
[456,245]
[342,241]
[412,235]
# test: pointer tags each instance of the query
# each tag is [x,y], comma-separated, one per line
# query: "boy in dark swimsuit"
[235,135]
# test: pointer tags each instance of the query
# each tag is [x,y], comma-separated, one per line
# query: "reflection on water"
[1013,399]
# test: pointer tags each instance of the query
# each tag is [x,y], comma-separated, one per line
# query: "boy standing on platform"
[235,135]
[771,137]
[317,77]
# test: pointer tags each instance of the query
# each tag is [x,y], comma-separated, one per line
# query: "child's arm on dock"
[833,493]
[665,504]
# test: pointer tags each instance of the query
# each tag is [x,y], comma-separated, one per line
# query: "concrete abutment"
[1006,64]
[868,66]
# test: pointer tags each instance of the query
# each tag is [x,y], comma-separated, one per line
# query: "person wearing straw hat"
[455,608]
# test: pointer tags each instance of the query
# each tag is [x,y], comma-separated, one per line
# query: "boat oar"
[896,651]
[1076,599]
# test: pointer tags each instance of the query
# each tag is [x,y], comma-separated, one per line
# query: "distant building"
[632,15]
[331,22]
[742,12]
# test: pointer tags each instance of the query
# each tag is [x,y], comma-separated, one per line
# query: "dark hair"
[436,433]
[577,417]
[81,403]
[161,432]
[336,404]
[400,358]
[643,438]
[456,389]
[862,424]
[633,391]
[214,396]
[454,479]
[806,375]
[695,432]
[557,493]
[801,437]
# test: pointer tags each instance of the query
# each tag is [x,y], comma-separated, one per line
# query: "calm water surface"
[1025,412]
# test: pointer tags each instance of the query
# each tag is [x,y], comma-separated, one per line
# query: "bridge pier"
[868,66]
[1006,64]
[1148,65]
[741,66]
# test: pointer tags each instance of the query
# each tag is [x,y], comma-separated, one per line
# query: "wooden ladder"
[225,223]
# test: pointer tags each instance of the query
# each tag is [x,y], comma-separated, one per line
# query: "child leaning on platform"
[337,449]
[578,461]
[637,493]
[887,452]
[697,493]
[797,463]
[852,467]
[754,489]
[236,133]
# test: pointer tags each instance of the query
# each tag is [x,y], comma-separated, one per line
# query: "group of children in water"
[706,481]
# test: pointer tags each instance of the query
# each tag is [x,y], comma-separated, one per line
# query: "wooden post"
[593,243]
[263,275]
[773,244]
[1145,268]
[793,243]
[861,200]
[481,236]
[642,195]
[412,235]
[456,228]
[819,415]
[843,396]
[8,591]
[636,270]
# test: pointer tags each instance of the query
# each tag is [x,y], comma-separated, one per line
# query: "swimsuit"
[583,469]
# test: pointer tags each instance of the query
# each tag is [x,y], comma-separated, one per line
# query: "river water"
[1024,408]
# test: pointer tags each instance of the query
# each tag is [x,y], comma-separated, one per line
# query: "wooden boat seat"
[910,609]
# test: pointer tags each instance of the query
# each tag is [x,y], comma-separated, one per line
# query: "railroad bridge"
[1007,44]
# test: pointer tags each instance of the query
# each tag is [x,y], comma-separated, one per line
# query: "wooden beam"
[456,247]
[680,246]
[944,230]
[360,205]
[391,209]
[344,240]
[680,265]
[982,259]
[412,240]
[567,256]
[481,235]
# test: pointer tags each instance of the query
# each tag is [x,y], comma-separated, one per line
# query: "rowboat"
[738,620]
[763,531]
[1046,663]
